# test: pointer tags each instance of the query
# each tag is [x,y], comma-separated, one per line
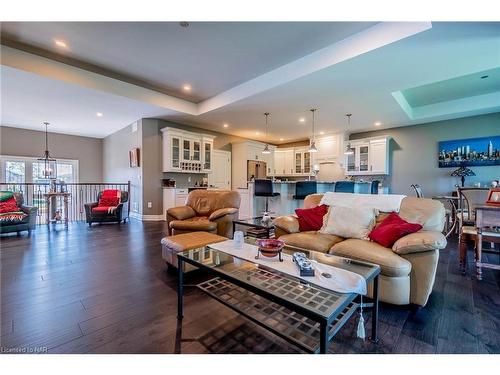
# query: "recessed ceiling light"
[60,43]
[378,123]
[257,133]
[186,87]
[321,133]
[483,77]
[281,139]
[99,114]
[225,125]
[302,119]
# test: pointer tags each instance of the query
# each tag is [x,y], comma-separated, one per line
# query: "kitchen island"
[284,204]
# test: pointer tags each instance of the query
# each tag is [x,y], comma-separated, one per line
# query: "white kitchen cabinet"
[246,208]
[186,151]
[284,162]
[379,156]
[370,157]
[173,197]
[329,148]
[207,152]
[302,162]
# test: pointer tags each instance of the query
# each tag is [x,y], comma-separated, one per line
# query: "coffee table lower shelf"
[283,322]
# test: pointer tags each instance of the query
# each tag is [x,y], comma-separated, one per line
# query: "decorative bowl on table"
[270,248]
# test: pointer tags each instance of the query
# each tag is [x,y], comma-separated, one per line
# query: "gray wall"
[116,167]
[414,152]
[31,143]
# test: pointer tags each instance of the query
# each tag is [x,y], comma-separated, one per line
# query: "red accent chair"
[102,211]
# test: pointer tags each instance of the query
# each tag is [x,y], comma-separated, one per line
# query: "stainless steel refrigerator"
[256,169]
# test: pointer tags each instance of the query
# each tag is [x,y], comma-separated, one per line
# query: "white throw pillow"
[349,222]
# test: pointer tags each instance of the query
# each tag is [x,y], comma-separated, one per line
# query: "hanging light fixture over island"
[312,145]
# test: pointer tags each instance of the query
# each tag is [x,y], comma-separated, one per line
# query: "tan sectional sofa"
[408,269]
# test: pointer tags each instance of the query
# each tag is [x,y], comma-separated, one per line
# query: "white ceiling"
[361,84]
[211,56]
[29,99]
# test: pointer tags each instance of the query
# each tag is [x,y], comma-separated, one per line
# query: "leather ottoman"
[172,245]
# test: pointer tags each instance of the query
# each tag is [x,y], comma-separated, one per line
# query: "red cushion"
[101,209]
[391,229]
[311,218]
[109,198]
[10,205]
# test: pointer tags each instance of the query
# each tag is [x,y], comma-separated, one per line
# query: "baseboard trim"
[152,217]
[138,216]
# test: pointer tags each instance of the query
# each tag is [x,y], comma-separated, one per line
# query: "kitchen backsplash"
[183,180]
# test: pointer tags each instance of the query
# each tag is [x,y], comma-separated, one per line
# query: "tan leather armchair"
[205,210]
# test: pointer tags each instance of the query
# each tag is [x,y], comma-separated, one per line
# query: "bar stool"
[344,187]
[305,188]
[264,188]
[374,187]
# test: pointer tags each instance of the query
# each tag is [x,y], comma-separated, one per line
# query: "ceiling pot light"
[302,119]
[60,43]
[348,149]
[312,146]
[47,166]
[186,87]
[226,125]
[321,133]
[266,149]
[99,114]
[378,123]
[282,139]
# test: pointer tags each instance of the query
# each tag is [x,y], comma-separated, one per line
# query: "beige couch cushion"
[390,263]
[430,213]
[311,240]
[349,222]
[419,241]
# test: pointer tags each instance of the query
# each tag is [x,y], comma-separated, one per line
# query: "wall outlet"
[150,204]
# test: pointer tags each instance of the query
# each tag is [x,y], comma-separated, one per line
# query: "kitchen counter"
[285,204]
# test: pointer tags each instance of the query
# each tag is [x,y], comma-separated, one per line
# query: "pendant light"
[312,146]
[47,166]
[348,149]
[266,149]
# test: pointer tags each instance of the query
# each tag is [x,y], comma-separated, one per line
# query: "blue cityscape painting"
[469,152]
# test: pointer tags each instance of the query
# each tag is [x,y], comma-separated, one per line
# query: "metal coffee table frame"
[262,306]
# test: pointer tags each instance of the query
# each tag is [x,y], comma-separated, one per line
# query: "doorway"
[221,170]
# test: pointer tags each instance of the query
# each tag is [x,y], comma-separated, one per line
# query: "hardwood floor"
[105,289]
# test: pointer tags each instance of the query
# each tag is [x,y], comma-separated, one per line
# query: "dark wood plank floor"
[105,290]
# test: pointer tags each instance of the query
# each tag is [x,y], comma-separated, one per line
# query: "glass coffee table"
[267,228]
[301,313]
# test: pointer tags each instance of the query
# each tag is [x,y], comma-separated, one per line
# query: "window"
[18,170]
[15,171]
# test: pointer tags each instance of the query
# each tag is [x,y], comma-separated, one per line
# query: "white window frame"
[29,161]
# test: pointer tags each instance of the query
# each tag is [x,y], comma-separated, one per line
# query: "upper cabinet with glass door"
[186,151]
[370,157]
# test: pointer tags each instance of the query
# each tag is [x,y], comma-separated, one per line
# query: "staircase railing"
[81,193]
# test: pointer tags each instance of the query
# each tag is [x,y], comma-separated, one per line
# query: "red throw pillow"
[311,218]
[10,205]
[391,229]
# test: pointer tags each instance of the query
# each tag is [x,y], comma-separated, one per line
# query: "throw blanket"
[110,198]
[342,281]
[380,202]
[9,211]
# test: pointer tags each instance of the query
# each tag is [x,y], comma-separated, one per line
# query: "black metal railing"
[80,193]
